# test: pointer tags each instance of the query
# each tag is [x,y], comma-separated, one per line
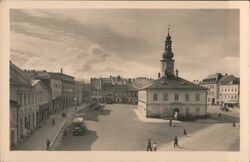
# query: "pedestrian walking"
[53,121]
[154,146]
[184,132]
[170,123]
[176,142]
[219,115]
[233,124]
[47,144]
[149,147]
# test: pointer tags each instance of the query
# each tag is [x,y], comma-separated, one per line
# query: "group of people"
[149,146]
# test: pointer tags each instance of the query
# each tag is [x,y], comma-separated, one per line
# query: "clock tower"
[167,62]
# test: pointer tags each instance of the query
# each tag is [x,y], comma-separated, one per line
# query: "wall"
[163,107]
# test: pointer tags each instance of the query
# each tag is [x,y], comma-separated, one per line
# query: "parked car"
[224,108]
[79,126]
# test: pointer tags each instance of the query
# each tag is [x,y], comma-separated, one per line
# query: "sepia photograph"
[125,80]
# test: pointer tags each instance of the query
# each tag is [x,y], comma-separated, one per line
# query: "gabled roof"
[174,83]
[141,82]
[229,79]
[18,76]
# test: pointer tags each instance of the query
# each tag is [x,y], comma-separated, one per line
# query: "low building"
[229,92]
[170,95]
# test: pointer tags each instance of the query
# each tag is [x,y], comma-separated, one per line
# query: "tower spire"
[168,29]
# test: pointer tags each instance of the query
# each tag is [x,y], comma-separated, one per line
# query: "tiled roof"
[229,79]
[212,79]
[131,87]
[141,82]
[173,83]
[106,81]
[18,76]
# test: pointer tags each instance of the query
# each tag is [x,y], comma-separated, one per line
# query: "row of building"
[223,90]
[117,89]
[34,95]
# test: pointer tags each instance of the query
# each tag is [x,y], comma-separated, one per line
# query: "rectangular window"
[187,110]
[197,110]
[19,98]
[165,97]
[25,101]
[28,98]
[197,97]
[186,97]
[176,97]
[155,97]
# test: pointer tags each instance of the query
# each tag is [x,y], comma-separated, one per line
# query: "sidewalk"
[142,118]
[37,140]
[218,137]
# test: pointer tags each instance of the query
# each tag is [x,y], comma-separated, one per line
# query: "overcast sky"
[130,43]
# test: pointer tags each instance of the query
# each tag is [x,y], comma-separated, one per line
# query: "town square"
[90,83]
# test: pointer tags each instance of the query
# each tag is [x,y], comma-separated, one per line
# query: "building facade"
[170,95]
[116,89]
[54,84]
[32,99]
[229,92]
[67,87]
[211,82]
[78,93]
[86,92]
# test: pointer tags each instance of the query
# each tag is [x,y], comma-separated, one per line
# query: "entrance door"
[176,112]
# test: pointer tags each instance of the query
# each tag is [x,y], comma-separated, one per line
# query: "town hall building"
[170,95]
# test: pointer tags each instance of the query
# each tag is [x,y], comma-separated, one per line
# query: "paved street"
[117,128]
[218,137]
[36,141]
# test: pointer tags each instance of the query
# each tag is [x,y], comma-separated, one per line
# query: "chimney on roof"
[159,75]
[176,73]
[119,77]
[61,70]
[226,74]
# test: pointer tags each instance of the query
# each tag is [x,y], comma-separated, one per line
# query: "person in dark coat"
[47,144]
[170,123]
[184,132]
[176,142]
[233,124]
[149,147]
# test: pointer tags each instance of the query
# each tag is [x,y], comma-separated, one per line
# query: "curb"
[62,127]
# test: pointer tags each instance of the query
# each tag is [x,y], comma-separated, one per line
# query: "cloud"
[88,43]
